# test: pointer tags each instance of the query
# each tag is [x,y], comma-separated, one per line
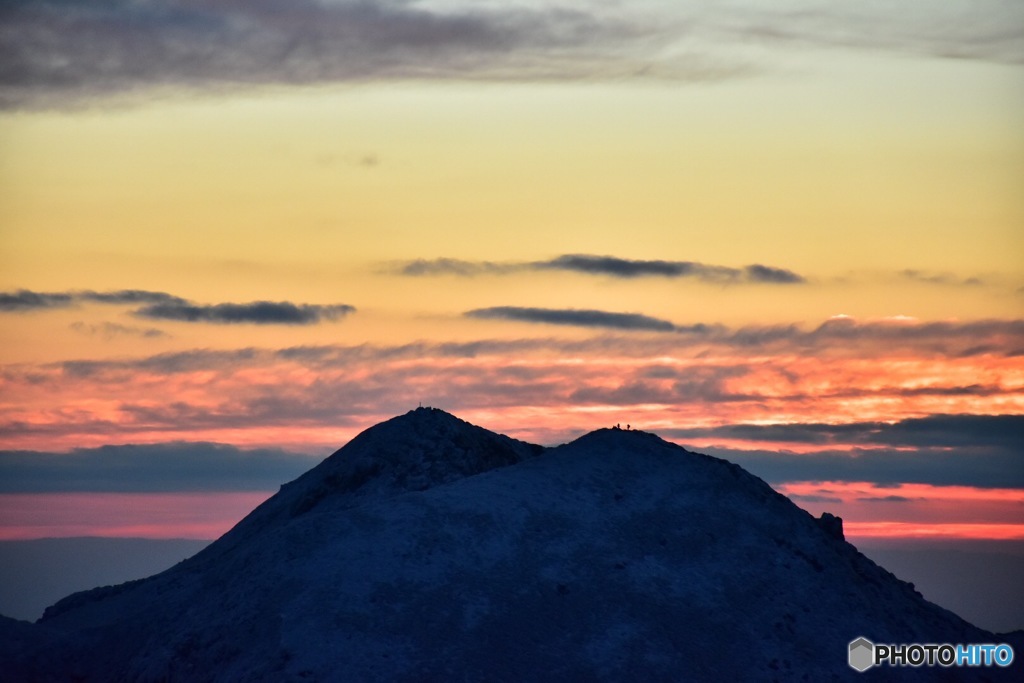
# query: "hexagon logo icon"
[862,654]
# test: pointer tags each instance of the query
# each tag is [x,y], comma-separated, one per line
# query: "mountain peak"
[622,436]
[423,448]
[431,549]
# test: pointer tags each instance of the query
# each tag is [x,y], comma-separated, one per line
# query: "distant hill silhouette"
[431,549]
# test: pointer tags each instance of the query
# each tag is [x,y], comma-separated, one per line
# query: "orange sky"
[682,216]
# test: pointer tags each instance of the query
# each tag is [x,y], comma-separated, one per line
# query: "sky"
[235,234]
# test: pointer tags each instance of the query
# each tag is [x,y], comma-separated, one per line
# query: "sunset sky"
[234,234]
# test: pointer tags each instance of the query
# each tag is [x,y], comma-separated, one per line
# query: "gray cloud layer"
[60,48]
[57,51]
[164,306]
[984,468]
[967,450]
[151,468]
[609,266]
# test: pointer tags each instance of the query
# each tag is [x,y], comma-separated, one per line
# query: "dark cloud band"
[575,317]
[150,468]
[949,431]
[164,306]
[943,450]
[982,467]
[451,266]
[608,266]
[130,296]
[25,300]
[257,312]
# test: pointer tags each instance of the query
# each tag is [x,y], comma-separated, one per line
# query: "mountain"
[431,549]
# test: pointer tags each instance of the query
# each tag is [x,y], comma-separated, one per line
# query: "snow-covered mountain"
[431,549]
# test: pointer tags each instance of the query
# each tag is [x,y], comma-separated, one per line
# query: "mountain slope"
[429,549]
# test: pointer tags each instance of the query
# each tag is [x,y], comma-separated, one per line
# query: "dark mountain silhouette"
[431,549]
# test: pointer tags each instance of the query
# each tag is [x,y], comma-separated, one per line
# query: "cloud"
[109,330]
[970,450]
[177,466]
[759,273]
[628,268]
[810,498]
[365,161]
[950,431]
[982,468]
[836,337]
[129,296]
[164,306]
[579,318]
[608,266]
[986,30]
[701,384]
[24,300]
[27,300]
[450,266]
[885,499]
[53,49]
[258,312]
[947,279]
[56,52]
[873,342]
[542,385]
[946,337]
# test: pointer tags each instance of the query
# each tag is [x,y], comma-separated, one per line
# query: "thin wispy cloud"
[949,341]
[933,278]
[27,300]
[129,296]
[630,268]
[164,306]
[580,318]
[759,273]
[257,312]
[986,30]
[109,330]
[606,266]
[24,300]
[451,266]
